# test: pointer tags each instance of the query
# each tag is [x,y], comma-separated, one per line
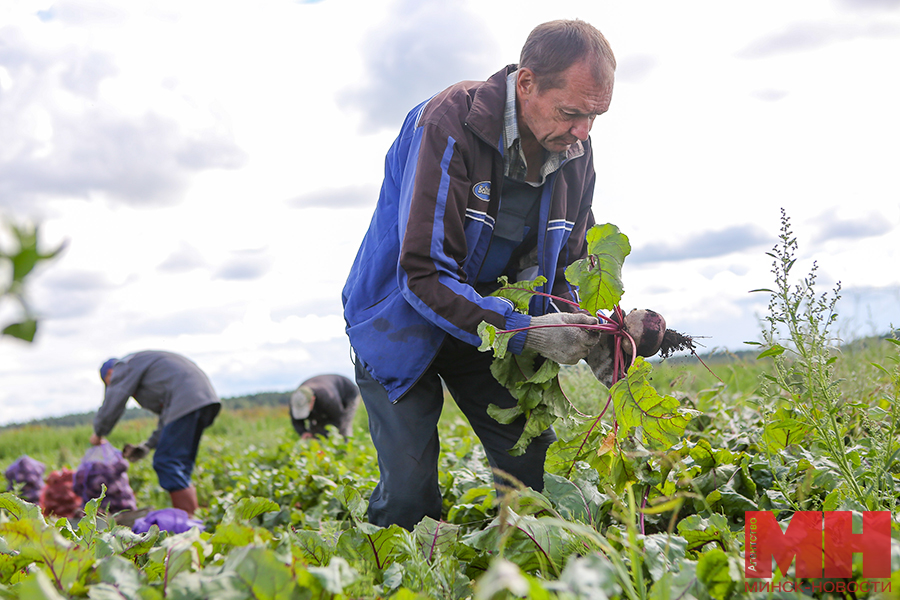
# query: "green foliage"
[660,419]
[644,507]
[599,275]
[16,265]
[521,293]
[533,382]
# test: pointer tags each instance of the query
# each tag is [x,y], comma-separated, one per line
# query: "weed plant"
[814,391]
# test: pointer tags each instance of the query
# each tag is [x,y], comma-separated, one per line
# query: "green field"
[648,502]
[285,518]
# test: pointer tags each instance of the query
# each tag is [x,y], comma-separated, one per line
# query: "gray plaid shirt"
[514,165]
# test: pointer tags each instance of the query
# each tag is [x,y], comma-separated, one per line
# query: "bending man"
[181,394]
[321,401]
[486,179]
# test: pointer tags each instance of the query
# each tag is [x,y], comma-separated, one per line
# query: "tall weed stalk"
[804,388]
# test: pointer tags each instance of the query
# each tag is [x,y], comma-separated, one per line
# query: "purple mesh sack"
[28,472]
[173,520]
[104,465]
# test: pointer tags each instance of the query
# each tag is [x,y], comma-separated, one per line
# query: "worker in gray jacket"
[181,394]
[321,401]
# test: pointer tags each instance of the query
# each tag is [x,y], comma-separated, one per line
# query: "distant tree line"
[267,399]
[263,399]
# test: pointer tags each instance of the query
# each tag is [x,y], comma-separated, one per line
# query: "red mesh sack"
[58,498]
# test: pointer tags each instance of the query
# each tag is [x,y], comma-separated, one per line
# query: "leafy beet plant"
[534,380]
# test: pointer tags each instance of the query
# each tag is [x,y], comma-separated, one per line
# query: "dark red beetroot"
[648,328]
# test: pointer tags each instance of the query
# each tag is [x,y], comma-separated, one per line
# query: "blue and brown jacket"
[413,280]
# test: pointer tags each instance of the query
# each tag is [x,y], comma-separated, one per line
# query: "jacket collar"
[485,117]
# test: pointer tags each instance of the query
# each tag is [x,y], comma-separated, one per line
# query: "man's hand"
[96,440]
[135,453]
[646,327]
[565,345]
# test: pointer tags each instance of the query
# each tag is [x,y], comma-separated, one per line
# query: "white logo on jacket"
[482,190]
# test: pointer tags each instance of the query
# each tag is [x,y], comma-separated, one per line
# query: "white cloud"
[214,166]
[65,137]
[419,49]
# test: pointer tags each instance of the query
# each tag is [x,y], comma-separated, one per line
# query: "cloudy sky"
[212,166]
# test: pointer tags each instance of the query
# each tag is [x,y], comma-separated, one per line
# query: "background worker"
[177,390]
[321,401]
[485,179]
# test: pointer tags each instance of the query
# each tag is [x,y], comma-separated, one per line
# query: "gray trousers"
[406,437]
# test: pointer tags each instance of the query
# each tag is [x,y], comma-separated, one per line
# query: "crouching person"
[177,390]
[324,400]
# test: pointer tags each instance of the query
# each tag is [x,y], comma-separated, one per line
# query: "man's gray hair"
[553,47]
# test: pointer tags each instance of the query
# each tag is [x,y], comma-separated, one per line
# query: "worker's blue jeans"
[176,450]
[406,438]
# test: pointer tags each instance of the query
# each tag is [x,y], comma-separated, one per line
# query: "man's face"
[556,118]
